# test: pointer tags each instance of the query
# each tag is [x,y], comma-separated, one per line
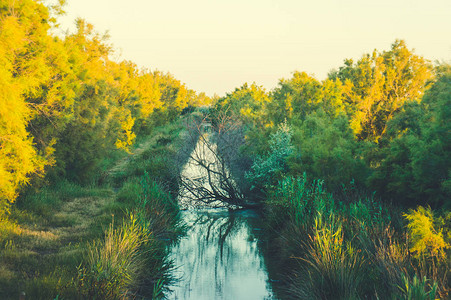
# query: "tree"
[378,85]
[23,36]
[302,95]
[248,102]
[266,170]
[414,160]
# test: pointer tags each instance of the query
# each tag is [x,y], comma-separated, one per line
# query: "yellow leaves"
[289,106]
[379,85]
[425,239]
[128,136]
[269,125]
[150,94]
[88,54]
[247,112]
[332,96]
[22,69]
[12,39]
[357,121]
[18,158]
[248,101]
[201,100]
[16,152]
[51,85]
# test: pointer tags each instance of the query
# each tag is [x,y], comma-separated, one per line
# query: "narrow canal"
[220,256]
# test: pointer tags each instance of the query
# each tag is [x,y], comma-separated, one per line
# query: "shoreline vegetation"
[98,242]
[352,173]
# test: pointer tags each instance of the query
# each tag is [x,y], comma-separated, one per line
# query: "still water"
[219,257]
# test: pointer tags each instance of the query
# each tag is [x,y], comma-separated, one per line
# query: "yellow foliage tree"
[21,72]
[378,85]
[64,102]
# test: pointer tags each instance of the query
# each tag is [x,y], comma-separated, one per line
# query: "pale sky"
[215,46]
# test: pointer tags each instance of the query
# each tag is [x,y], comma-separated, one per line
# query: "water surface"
[219,257]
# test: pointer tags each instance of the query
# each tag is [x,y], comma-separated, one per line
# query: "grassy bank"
[103,241]
[354,247]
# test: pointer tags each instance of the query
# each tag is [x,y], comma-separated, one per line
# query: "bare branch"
[207,178]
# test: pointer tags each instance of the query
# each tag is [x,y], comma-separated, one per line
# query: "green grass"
[44,201]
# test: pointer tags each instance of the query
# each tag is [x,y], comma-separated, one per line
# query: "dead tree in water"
[208,178]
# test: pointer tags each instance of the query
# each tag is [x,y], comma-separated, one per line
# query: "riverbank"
[56,238]
[353,247]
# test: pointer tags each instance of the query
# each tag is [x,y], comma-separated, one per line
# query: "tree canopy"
[64,102]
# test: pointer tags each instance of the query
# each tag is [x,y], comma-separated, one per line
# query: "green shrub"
[158,205]
[326,148]
[266,169]
[412,163]
[429,246]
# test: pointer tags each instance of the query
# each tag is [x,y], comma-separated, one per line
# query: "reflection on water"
[219,257]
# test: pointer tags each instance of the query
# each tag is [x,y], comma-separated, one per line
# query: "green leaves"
[266,169]
[414,157]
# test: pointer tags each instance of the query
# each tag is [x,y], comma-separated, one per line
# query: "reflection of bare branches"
[218,247]
[216,228]
[207,178]
[228,229]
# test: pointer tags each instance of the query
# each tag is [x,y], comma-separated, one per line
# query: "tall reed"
[333,267]
[115,266]
[300,201]
[417,289]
